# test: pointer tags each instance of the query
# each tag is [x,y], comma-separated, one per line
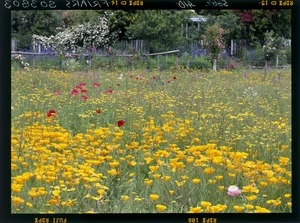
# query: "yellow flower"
[33,193]
[166,178]
[28,204]
[154,197]
[114,164]
[153,168]
[17,200]
[219,177]
[148,182]
[156,176]
[249,206]
[205,204]
[231,174]
[287,195]
[250,189]
[238,208]
[259,209]
[221,188]
[196,181]
[56,193]
[160,208]
[251,198]
[125,197]
[212,181]
[179,184]
[171,192]
[263,184]
[283,160]
[112,172]
[196,210]
[209,170]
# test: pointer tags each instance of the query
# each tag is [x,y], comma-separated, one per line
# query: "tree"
[213,40]
[26,23]
[255,23]
[119,21]
[161,28]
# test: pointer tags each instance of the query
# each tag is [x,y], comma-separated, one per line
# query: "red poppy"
[174,78]
[83,91]
[98,110]
[109,91]
[57,92]
[84,97]
[96,84]
[121,123]
[51,113]
[74,92]
[80,85]
[154,78]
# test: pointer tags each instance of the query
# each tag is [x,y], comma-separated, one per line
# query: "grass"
[187,136]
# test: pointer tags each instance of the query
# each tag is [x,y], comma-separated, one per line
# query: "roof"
[198,18]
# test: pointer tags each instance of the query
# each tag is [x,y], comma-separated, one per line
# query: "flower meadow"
[175,141]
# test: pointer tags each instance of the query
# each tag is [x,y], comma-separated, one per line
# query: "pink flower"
[84,97]
[57,92]
[233,191]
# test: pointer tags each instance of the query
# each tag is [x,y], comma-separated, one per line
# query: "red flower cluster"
[80,87]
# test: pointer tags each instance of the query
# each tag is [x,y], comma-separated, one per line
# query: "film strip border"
[147,4]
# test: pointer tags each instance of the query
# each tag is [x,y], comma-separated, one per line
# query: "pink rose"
[233,191]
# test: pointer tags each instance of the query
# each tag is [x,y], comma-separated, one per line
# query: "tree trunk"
[277,61]
[266,67]
[214,64]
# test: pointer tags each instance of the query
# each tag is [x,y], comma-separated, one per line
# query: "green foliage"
[229,21]
[202,63]
[255,57]
[161,28]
